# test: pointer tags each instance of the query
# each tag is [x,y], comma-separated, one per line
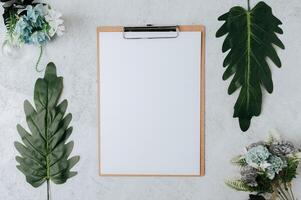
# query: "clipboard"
[151,33]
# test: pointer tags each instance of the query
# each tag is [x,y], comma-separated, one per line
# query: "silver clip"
[151,29]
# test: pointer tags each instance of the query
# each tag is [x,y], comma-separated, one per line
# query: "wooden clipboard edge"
[149,175]
[203,100]
[182,28]
[98,99]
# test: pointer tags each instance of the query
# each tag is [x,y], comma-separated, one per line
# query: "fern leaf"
[238,185]
[273,137]
[239,160]
[10,20]
[290,172]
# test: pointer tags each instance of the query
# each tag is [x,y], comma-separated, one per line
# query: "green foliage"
[256,197]
[290,172]
[250,36]
[8,15]
[45,151]
[264,184]
[238,185]
[239,160]
[272,138]
[19,3]
[11,9]
[10,21]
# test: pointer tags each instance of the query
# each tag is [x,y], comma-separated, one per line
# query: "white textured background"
[75,56]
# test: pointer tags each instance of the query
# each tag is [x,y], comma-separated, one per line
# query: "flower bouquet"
[267,169]
[28,22]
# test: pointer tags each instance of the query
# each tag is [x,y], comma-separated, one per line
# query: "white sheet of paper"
[150,105]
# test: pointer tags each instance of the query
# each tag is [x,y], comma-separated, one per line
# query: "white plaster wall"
[75,56]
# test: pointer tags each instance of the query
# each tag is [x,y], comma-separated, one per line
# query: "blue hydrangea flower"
[276,165]
[32,27]
[21,25]
[34,13]
[36,16]
[257,157]
[39,38]
[23,30]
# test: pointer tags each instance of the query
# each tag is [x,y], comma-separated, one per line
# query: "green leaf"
[10,20]
[250,40]
[238,185]
[239,160]
[290,172]
[11,8]
[264,185]
[256,197]
[44,153]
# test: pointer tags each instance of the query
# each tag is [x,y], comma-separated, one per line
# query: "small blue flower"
[36,16]
[22,25]
[34,13]
[32,27]
[23,30]
[257,157]
[276,165]
[39,38]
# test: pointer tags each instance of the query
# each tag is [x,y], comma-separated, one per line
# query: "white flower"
[274,137]
[298,155]
[264,165]
[55,22]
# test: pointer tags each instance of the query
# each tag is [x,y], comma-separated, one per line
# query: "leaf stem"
[249,7]
[39,59]
[283,193]
[248,71]
[48,189]
[47,147]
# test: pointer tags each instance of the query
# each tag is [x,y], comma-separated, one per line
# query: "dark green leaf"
[44,152]
[256,197]
[290,172]
[250,37]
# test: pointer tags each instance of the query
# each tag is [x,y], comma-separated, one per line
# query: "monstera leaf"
[250,37]
[45,151]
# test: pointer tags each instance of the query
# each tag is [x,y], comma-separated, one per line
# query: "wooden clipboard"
[182,28]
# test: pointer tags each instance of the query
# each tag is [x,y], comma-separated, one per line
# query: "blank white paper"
[150,105]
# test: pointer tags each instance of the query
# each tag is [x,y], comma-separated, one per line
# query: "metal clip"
[151,29]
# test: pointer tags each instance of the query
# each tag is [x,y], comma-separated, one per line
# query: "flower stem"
[284,191]
[39,59]
[291,191]
[282,195]
[3,46]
